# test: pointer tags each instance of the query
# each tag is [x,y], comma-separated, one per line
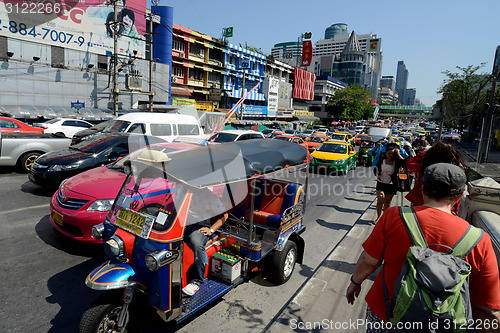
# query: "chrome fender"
[114,276]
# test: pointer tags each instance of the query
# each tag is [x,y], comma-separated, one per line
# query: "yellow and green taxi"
[334,155]
[347,137]
[396,140]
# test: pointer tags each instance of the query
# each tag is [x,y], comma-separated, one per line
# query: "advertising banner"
[374,45]
[307,52]
[84,25]
[303,85]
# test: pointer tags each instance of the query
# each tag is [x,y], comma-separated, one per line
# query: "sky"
[430,36]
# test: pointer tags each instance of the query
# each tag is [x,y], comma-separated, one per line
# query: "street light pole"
[243,95]
[115,59]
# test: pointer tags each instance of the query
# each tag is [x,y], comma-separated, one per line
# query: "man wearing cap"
[443,186]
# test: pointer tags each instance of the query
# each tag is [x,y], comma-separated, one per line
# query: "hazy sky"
[430,36]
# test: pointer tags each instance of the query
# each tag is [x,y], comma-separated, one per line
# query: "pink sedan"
[84,200]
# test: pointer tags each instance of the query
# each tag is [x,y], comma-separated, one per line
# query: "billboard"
[306,52]
[303,84]
[84,25]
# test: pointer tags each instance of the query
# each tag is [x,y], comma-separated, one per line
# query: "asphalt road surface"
[43,273]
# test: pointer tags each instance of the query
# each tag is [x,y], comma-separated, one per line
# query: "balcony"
[193,82]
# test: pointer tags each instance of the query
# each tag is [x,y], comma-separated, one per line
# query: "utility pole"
[116,29]
[488,120]
[150,41]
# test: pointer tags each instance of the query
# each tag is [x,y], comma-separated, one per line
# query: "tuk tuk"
[262,185]
[364,158]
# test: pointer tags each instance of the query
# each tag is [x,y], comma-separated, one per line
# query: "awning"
[180,91]
[307,118]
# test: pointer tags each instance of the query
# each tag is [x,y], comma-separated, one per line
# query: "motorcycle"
[365,159]
[262,185]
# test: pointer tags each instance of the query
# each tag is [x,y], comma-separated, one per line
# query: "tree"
[467,94]
[351,104]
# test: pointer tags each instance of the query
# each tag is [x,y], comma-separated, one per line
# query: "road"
[43,286]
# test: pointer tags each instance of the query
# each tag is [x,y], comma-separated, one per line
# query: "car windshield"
[338,137]
[284,138]
[223,137]
[307,132]
[267,131]
[99,143]
[117,126]
[52,121]
[333,148]
[317,139]
[119,165]
[289,131]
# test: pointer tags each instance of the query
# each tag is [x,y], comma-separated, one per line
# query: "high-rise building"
[336,54]
[401,80]
[335,29]
[287,52]
[388,81]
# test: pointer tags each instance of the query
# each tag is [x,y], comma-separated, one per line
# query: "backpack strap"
[411,223]
[467,242]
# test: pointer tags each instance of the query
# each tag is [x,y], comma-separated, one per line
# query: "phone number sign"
[85,25]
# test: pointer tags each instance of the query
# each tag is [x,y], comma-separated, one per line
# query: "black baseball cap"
[447,178]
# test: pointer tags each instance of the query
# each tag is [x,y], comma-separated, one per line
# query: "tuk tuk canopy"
[231,161]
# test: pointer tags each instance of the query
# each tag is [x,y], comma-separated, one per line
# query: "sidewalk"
[320,304]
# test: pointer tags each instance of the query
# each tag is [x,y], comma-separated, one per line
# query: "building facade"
[197,68]
[73,62]
[324,89]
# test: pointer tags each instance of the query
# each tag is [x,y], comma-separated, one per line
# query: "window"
[8,124]
[197,50]
[161,129]
[102,62]
[188,129]
[178,71]
[82,124]
[178,45]
[137,128]
[57,56]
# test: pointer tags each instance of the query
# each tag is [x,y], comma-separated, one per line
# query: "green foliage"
[351,104]
[466,93]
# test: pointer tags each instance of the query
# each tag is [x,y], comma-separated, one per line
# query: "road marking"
[25,208]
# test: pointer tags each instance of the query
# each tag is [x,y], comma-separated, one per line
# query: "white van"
[167,126]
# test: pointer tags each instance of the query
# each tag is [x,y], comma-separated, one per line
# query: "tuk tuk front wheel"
[102,316]
[283,263]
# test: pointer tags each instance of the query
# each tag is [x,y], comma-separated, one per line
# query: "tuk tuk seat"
[271,202]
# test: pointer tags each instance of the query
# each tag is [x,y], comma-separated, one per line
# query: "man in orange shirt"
[443,186]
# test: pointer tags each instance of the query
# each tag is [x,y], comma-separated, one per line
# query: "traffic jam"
[152,189]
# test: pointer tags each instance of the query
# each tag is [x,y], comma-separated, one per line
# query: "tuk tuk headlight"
[98,231]
[340,161]
[160,258]
[116,246]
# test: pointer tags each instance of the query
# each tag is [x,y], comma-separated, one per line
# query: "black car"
[104,127]
[50,169]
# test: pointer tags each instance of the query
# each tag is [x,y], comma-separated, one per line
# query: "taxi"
[347,137]
[291,138]
[315,140]
[396,140]
[334,155]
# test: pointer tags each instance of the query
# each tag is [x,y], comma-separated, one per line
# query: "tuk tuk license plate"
[323,166]
[137,223]
[57,218]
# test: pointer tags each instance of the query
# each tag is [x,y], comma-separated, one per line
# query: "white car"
[64,126]
[235,135]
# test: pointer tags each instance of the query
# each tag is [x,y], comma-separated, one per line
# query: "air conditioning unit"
[174,79]
[133,81]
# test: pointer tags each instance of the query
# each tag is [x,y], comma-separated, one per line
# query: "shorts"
[386,188]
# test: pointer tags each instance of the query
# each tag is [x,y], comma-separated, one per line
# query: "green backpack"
[432,291]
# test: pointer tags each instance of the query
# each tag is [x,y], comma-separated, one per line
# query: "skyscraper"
[401,80]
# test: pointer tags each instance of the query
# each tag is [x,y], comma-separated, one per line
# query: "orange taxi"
[315,140]
[291,138]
